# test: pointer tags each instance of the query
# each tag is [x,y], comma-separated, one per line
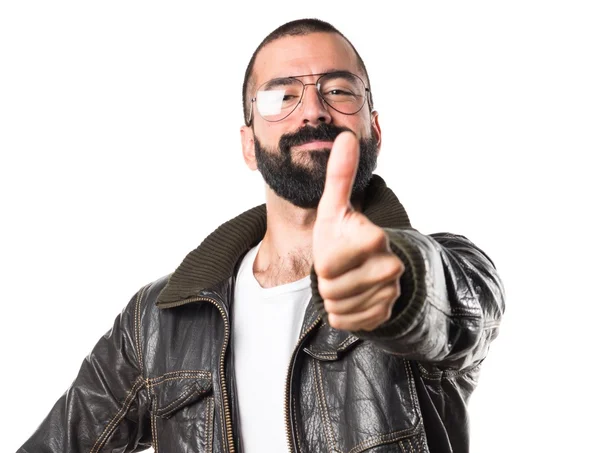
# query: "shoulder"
[142,308]
[143,302]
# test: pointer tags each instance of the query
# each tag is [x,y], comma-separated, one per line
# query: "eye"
[339,91]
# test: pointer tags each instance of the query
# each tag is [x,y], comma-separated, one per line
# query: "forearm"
[450,305]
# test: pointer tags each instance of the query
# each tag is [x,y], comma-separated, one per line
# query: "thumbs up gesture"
[358,274]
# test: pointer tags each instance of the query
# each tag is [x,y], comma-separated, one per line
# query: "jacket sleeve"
[451,301]
[450,306]
[105,407]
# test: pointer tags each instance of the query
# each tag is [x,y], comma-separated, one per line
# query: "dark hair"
[298,27]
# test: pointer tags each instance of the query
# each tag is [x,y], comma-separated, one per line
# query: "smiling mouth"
[318,144]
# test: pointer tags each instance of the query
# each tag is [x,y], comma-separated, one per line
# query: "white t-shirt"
[266,327]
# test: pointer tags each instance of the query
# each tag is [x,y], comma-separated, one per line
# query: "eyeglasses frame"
[321,75]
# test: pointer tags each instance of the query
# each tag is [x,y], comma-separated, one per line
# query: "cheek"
[268,134]
[360,124]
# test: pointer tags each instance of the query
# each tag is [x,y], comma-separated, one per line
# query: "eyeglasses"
[343,91]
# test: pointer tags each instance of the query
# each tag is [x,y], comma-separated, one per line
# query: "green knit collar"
[216,257]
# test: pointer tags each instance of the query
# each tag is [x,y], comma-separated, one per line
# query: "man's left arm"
[450,305]
[436,299]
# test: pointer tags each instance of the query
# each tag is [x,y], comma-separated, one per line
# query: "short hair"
[298,27]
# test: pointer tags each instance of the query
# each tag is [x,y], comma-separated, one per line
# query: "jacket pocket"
[416,443]
[182,412]
[365,400]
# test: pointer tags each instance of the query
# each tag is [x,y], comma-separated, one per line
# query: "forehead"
[314,53]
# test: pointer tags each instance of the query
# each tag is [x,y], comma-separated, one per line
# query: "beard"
[303,184]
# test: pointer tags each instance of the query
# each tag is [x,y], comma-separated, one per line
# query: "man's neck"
[285,254]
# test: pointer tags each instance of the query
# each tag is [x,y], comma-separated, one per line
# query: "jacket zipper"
[288,409]
[228,425]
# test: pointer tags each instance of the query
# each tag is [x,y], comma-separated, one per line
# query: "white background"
[119,140]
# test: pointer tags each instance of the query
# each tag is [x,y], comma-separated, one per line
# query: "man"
[318,322]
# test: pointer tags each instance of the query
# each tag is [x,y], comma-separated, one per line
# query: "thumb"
[341,171]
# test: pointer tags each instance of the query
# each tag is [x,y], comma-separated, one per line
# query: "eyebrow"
[282,78]
[327,71]
[343,74]
[279,81]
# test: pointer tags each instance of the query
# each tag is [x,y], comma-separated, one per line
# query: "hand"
[358,275]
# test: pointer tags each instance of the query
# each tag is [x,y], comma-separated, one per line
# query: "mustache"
[323,132]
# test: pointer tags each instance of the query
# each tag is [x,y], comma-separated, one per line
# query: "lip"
[318,144]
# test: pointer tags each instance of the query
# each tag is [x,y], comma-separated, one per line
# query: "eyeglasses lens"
[278,98]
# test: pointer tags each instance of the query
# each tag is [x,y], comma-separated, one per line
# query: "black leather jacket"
[163,375]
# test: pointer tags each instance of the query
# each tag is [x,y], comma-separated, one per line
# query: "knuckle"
[321,269]
[383,312]
[329,306]
[333,307]
[379,312]
[392,268]
[335,322]
[382,239]
[393,291]
[401,266]
[397,266]
[325,288]
[378,239]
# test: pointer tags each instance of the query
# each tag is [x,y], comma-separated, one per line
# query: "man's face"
[292,154]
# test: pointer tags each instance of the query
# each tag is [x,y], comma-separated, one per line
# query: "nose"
[313,108]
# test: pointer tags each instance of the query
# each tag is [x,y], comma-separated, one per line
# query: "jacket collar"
[216,257]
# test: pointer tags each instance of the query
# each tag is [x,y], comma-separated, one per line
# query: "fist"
[358,275]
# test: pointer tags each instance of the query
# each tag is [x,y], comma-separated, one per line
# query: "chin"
[311,158]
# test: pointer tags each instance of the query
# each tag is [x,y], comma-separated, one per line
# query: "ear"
[376,129]
[247,136]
